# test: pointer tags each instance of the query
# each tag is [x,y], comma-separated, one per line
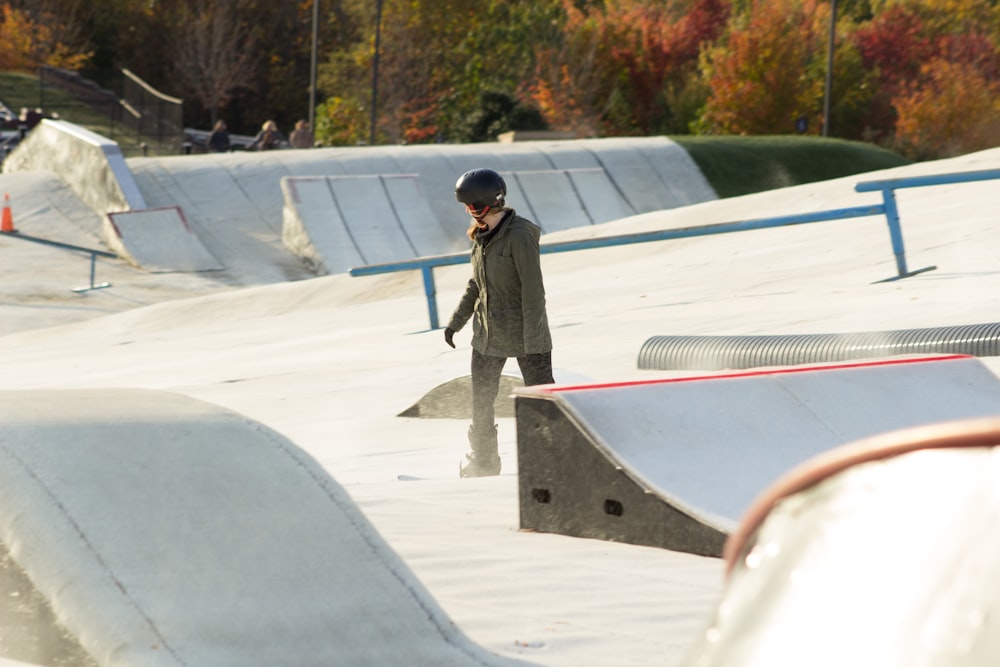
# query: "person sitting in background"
[31,117]
[268,138]
[302,135]
[218,141]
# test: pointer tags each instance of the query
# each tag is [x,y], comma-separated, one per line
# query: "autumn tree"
[656,51]
[626,66]
[214,52]
[64,20]
[922,54]
[29,42]
[768,71]
[468,69]
[952,110]
[436,60]
[571,84]
[414,53]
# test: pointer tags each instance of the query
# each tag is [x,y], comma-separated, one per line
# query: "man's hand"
[449,335]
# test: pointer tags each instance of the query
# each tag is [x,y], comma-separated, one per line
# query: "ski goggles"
[477,208]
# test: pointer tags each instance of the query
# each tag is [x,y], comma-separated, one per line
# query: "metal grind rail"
[888,208]
[75,248]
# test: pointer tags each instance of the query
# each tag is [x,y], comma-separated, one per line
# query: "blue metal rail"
[888,208]
[69,246]
[891,210]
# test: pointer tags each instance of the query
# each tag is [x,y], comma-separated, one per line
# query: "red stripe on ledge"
[743,374]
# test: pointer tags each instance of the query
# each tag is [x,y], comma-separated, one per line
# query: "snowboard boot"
[483,460]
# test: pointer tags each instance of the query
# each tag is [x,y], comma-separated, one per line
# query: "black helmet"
[480,188]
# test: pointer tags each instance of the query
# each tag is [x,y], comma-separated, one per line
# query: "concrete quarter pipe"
[674,463]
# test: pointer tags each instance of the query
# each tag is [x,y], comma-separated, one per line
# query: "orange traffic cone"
[7,220]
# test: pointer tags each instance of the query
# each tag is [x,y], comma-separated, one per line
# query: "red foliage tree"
[619,60]
[894,44]
[764,74]
[949,109]
[934,63]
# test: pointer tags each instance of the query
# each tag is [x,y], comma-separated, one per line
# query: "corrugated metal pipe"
[710,353]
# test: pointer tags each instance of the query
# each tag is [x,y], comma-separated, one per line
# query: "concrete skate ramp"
[675,463]
[904,522]
[339,222]
[92,165]
[159,240]
[558,199]
[167,531]
[235,204]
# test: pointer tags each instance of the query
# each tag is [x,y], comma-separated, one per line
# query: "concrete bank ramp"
[403,196]
[168,531]
[675,463]
[93,166]
[158,240]
[339,222]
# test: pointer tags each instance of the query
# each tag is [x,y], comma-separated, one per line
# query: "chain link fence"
[142,120]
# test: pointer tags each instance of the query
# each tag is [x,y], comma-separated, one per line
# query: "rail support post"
[896,236]
[431,295]
[93,271]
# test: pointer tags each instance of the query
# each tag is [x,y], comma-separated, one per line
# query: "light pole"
[378,36]
[312,67]
[829,68]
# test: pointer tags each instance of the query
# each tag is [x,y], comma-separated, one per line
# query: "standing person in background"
[268,138]
[218,141]
[506,299]
[302,135]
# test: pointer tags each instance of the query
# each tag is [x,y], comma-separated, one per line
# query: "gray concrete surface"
[158,240]
[330,362]
[168,531]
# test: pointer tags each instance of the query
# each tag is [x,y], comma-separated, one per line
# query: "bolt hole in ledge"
[542,496]
[613,507]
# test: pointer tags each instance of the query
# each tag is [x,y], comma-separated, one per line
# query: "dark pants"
[486,371]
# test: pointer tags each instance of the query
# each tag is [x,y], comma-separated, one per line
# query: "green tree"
[499,113]
[435,61]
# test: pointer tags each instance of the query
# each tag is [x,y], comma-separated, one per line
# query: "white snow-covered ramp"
[168,531]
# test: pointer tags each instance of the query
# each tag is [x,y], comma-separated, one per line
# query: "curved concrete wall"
[236,205]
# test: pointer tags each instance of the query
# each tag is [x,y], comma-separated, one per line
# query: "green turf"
[736,165]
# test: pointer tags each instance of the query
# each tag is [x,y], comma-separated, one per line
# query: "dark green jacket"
[506,296]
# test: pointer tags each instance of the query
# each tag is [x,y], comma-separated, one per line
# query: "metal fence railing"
[150,114]
[141,114]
